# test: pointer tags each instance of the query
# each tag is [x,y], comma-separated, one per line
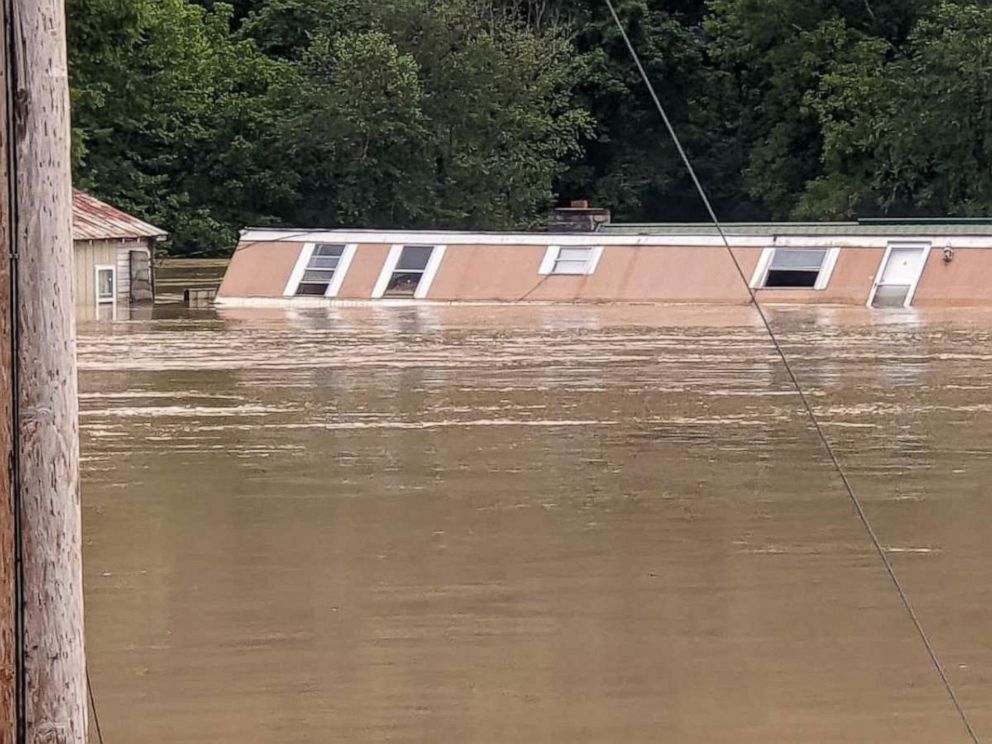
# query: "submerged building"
[882,263]
[113,254]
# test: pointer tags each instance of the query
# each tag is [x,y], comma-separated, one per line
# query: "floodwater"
[548,525]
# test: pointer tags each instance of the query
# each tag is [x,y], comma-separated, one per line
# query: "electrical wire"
[96,713]
[832,455]
[20,658]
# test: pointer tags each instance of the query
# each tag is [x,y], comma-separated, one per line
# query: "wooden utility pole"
[44,435]
[8,661]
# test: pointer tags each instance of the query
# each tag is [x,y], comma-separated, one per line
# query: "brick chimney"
[578,217]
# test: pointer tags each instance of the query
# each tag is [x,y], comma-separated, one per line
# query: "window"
[795,268]
[571,260]
[106,284]
[409,270]
[319,272]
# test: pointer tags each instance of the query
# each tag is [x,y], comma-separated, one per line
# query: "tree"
[500,101]
[168,122]
[912,135]
[359,134]
[778,51]
[448,114]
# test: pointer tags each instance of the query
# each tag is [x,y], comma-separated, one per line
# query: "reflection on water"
[538,525]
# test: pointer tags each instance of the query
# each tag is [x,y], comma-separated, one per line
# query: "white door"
[903,266]
[901,269]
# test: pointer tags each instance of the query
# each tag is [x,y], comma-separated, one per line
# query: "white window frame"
[552,252]
[344,263]
[96,284]
[426,279]
[925,247]
[760,275]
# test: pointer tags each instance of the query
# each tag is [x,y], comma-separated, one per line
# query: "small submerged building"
[881,263]
[113,254]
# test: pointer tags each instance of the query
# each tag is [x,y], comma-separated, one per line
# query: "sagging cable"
[807,406]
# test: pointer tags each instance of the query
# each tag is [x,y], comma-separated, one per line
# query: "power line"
[96,714]
[855,500]
[13,233]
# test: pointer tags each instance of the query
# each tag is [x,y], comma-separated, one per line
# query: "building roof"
[93,219]
[918,228]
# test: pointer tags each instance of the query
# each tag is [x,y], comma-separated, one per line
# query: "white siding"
[87,257]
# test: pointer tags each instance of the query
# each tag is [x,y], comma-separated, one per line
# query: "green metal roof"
[867,227]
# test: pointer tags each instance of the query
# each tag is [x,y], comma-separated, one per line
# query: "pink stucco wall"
[509,273]
[364,271]
[966,280]
[624,274]
[260,269]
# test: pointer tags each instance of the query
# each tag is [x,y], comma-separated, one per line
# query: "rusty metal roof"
[93,219]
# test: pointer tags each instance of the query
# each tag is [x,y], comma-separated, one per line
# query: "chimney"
[578,217]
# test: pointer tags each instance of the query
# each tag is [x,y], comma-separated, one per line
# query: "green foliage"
[912,135]
[360,129]
[207,117]
[340,112]
[168,120]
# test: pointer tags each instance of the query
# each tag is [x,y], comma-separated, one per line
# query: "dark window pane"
[414,258]
[328,250]
[403,284]
[312,288]
[318,276]
[323,262]
[794,279]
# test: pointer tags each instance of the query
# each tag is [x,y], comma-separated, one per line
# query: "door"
[141,276]
[895,283]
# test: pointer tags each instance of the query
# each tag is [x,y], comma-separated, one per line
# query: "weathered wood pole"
[47,429]
[8,662]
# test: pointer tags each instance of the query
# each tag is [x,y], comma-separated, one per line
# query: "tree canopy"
[205,117]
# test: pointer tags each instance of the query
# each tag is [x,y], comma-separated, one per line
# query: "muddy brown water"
[533,525]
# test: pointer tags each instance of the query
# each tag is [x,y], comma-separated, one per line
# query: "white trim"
[430,271]
[911,295]
[301,266]
[761,270]
[827,269]
[548,262]
[926,249]
[96,284]
[464,239]
[877,280]
[344,263]
[387,271]
[597,253]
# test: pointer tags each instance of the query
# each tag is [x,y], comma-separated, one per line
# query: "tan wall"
[364,271]
[966,280]
[624,274]
[506,273]
[87,256]
[509,273]
[260,269]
